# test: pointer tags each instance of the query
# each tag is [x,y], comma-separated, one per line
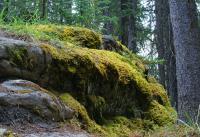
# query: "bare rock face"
[27,95]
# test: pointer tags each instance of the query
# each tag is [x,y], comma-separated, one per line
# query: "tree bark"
[43,9]
[124,22]
[128,24]
[132,32]
[6,10]
[68,18]
[1,5]
[187,47]
[165,48]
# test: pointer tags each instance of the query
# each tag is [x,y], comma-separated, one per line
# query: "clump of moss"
[81,36]
[95,106]
[151,79]
[19,57]
[160,115]
[121,126]
[77,36]
[81,114]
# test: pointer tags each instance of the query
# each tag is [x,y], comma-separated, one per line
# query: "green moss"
[120,127]
[81,114]
[110,67]
[72,69]
[95,106]
[175,131]
[114,83]
[151,79]
[9,134]
[115,127]
[81,36]
[77,36]
[19,57]
[161,115]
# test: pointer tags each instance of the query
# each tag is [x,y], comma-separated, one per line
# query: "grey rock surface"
[26,94]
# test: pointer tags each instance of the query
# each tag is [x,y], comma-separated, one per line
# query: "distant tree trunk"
[187,47]
[124,22]
[6,10]
[1,5]
[165,48]
[44,9]
[108,26]
[68,18]
[128,23]
[132,32]
[61,12]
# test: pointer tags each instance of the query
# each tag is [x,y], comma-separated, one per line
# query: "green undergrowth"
[174,131]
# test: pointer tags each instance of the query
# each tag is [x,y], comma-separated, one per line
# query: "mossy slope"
[125,90]
[106,83]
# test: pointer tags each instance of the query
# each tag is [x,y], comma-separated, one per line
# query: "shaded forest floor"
[175,131]
[69,130]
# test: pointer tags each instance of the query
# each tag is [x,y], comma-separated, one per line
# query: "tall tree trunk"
[187,47]
[124,22]
[132,32]
[128,23]
[108,26]
[43,9]
[68,18]
[165,48]
[1,5]
[6,10]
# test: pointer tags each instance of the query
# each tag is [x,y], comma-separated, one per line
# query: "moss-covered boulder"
[107,83]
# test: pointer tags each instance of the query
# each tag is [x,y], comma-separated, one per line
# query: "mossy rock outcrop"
[106,83]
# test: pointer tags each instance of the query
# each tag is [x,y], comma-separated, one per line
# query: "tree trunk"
[128,23]
[1,5]
[187,47]
[165,48]
[43,9]
[132,45]
[68,18]
[124,22]
[108,25]
[6,10]
[160,43]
